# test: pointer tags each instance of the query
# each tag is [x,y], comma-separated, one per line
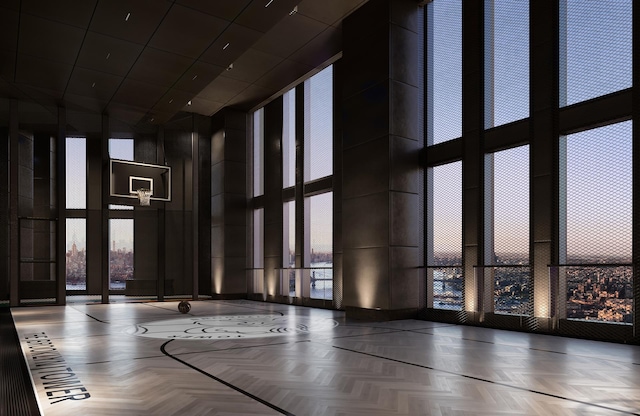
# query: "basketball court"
[252,358]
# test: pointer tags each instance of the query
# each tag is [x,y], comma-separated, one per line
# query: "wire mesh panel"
[76,254]
[76,173]
[507,244]
[318,125]
[258,152]
[506,61]
[596,220]
[120,253]
[443,60]
[444,246]
[595,48]
[289,138]
[321,245]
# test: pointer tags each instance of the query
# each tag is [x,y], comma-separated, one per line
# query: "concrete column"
[473,167]
[381,186]
[273,216]
[229,205]
[544,154]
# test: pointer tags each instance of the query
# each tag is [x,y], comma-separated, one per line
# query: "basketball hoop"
[144,195]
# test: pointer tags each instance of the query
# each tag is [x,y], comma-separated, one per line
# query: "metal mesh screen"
[595,48]
[120,253]
[321,245]
[258,152]
[318,125]
[76,254]
[508,233]
[445,242]
[506,61]
[289,138]
[443,82]
[76,173]
[596,209]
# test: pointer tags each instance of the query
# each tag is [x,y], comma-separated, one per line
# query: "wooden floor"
[251,358]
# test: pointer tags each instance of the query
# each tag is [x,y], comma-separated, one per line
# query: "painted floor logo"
[231,327]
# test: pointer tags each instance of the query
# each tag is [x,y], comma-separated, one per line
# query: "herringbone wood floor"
[355,368]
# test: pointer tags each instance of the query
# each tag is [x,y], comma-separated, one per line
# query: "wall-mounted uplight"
[225,46]
[126,19]
[268,4]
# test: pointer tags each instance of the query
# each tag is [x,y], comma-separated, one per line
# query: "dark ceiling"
[142,61]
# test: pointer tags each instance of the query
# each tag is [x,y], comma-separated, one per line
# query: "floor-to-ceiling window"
[596,213]
[595,48]
[507,230]
[318,164]
[76,222]
[545,145]
[444,240]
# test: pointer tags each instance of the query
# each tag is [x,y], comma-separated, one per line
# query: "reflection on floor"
[251,358]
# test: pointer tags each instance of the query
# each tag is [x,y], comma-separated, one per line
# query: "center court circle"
[230,327]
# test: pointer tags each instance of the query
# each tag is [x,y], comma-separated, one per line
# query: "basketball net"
[144,195]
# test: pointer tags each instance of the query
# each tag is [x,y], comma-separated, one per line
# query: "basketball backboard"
[126,178]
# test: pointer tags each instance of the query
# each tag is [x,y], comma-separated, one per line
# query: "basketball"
[184,306]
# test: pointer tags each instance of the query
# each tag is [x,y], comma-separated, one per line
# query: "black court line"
[497,383]
[92,317]
[568,354]
[219,380]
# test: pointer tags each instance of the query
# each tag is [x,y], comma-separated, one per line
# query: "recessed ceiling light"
[126,19]
[268,4]
[230,67]
[189,102]
[294,11]
[93,85]
[170,101]
[225,46]
[194,77]
[108,55]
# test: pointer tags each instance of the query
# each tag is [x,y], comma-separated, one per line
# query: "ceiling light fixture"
[267,5]
[230,67]
[108,55]
[126,19]
[194,77]
[294,11]
[93,85]
[170,101]
[225,46]
[189,102]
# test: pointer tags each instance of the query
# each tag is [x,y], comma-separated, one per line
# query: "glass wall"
[595,48]
[76,172]
[318,125]
[76,205]
[444,241]
[76,254]
[507,229]
[596,213]
[443,61]
[506,77]
[258,152]
[289,139]
[320,245]
[120,253]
